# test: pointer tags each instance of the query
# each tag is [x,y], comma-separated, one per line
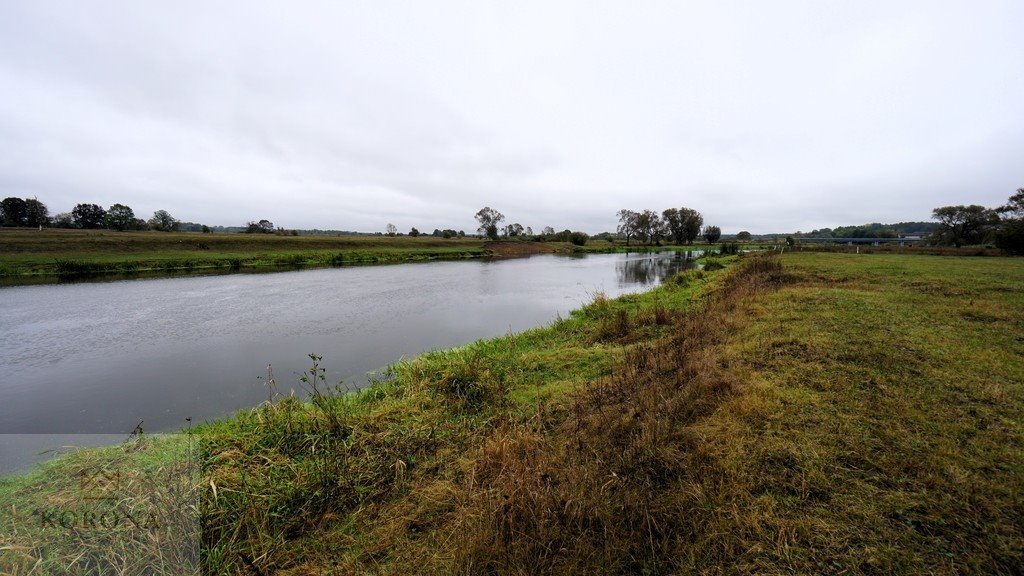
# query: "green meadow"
[56,252]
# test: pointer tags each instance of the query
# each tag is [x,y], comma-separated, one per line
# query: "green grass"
[140,516]
[837,414]
[53,252]
[882,428]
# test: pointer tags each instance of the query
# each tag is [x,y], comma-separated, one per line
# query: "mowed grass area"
[880,429]
[82,252]
[805,414]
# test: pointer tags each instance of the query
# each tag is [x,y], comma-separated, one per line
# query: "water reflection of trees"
[652,268]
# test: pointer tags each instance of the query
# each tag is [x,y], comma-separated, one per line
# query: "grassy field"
[53,252]
[812,413]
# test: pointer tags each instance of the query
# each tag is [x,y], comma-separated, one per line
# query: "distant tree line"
[31,212]
[392,230]
[23,212]
[964,225]
[875,230]
[490,227]
[676,225]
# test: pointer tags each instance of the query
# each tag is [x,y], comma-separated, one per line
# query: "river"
[100,357]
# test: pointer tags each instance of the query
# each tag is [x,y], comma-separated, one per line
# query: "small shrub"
[686,276]
[292,260]
[661,315]
[613,326]
[729,248]
[470,382]
[712,265]
[71,268]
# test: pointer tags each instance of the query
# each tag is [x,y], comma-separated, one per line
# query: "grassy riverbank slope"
[810,413]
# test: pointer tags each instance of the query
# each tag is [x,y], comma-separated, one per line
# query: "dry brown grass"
[838,425]
[617,486]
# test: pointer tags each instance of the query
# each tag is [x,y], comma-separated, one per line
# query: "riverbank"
[833,414]
[527,368]
[28,256]
[41,257]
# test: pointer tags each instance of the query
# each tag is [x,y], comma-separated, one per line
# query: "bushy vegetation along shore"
[810,413]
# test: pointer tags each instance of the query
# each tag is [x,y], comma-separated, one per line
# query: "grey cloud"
[780,116]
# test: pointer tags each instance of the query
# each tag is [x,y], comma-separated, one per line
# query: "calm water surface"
[98,358]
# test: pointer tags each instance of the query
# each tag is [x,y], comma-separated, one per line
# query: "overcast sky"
[766,116]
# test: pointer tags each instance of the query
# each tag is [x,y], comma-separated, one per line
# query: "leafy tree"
[744,236]
[119,217]
[164,222]
[578,238]
[547,231]
[1014,206]
[489,219]
[712,234]
[205,229]
[262,227]
[563,236]
[514,230]
[414,232]
[627,224]
[529,231]
[692,221]
[36,213]
[959,225]
[446,234]
[682,224]
[673,224]
[391,230]
[13,211]
[64,220]
[88,216]
[1010,233]
[648,226]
